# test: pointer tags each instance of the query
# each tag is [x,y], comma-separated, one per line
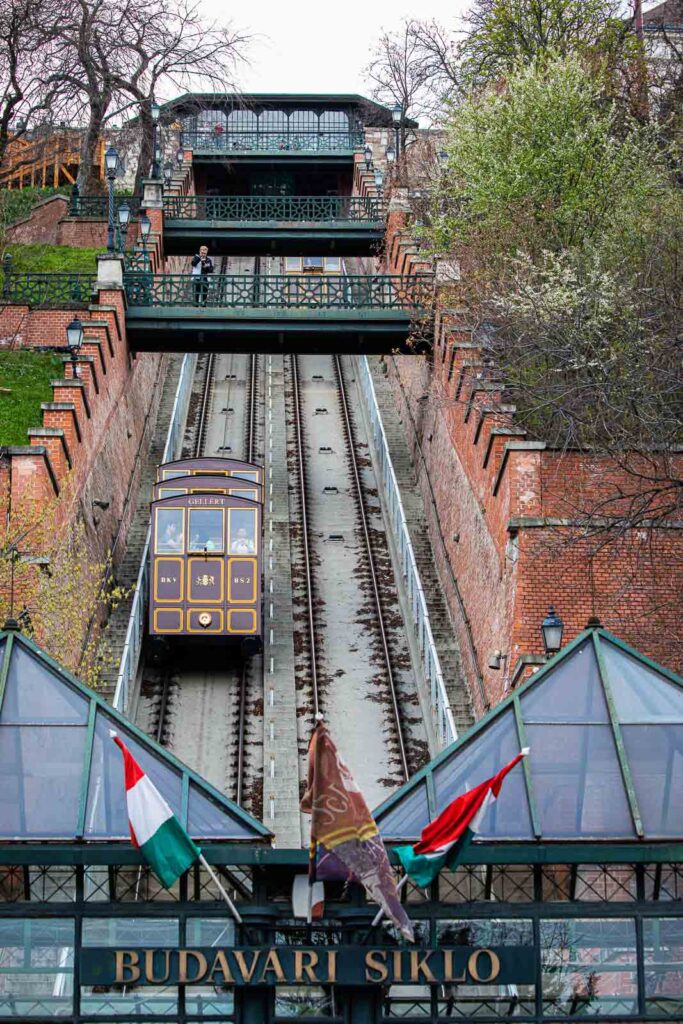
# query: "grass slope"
[52,259]
[27,373]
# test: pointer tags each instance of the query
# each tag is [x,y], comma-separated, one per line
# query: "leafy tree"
[504,33]
[568,226]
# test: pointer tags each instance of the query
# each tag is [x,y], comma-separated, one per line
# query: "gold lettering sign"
[305,967]
[376,965]
[494,964]
[149,966]
[127,960]
[183,961]
[418,966]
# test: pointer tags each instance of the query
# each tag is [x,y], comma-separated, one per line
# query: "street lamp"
[367,153]
[168,173]
[180,155]
[155,111]
[391,154]
[552,628]
[397,118]
[145,228]
[111,162]
[379,180]
[123,214]
[74,340]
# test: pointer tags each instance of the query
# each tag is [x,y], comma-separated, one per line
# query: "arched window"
[242,130]
[303,129]
[334,127]
[273,129]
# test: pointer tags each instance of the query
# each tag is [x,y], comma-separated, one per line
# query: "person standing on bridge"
[202,266]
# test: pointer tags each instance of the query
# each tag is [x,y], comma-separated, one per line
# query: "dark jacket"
[207,267]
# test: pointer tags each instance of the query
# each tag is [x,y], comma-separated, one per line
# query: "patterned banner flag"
[345,841]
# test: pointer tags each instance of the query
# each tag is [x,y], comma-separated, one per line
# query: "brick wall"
[507,512]
[94,428]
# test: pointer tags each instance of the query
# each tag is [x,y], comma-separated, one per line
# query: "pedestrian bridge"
[273,313]
[274,225]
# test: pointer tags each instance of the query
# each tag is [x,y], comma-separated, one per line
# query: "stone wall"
[504,513]
[94,429]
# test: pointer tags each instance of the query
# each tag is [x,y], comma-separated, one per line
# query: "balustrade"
[217,140]
[282,291]
[358,209]
[46,289]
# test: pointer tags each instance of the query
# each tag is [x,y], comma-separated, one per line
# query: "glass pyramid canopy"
[61,775]
[605,729]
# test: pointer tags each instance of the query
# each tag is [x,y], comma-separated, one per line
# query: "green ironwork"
[359,209]
[97,206]
[136,260]
[46,289]
[597,643]
[102,716]
[619,743]
[279,140]
[281,291]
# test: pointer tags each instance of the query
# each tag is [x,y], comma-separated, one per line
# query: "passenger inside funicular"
[243,531]
[206,530]
[169,530]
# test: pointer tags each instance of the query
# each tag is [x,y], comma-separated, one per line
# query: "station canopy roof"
[61,774]
[605,729]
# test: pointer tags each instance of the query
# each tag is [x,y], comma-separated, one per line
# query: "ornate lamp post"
[123,214]
[397,118]
[74,340]
[145,228]
[552,628]
[155,111]
[111,162]
[367,153]
[168,174]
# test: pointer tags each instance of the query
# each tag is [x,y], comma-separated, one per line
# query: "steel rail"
[353,461]
[250,445]
[301,472]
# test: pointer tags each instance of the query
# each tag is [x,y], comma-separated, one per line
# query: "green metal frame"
[46,289]
[285,141]
[98,206]
[187,775]
[595,637]
[354,209]
[282,291]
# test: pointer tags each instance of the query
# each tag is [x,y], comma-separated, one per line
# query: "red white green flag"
[443,841]
[154,829]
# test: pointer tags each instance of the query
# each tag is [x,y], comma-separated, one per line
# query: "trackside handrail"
[442,715]
[132,645]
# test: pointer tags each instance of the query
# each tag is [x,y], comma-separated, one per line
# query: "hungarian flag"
[345,840]
[444,839]
[154,829]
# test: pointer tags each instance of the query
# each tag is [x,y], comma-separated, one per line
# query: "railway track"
[358,690]
[211,704]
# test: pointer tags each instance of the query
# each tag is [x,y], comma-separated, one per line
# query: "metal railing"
[98,206]
[132,645]
[411,292]
[275,140]
[274,208]
[46,289]
[444,723]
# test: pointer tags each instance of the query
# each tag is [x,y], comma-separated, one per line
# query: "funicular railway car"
[205,552]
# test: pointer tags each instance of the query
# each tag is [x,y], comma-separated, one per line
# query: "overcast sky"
[321,46]
[306,46]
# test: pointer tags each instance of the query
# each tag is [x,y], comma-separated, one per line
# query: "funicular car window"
[243,531]
[171,492]
[170,533]
[206,529]
[245,474]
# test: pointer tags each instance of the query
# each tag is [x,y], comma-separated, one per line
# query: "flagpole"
[313,848]
[380,913]
[219,885]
